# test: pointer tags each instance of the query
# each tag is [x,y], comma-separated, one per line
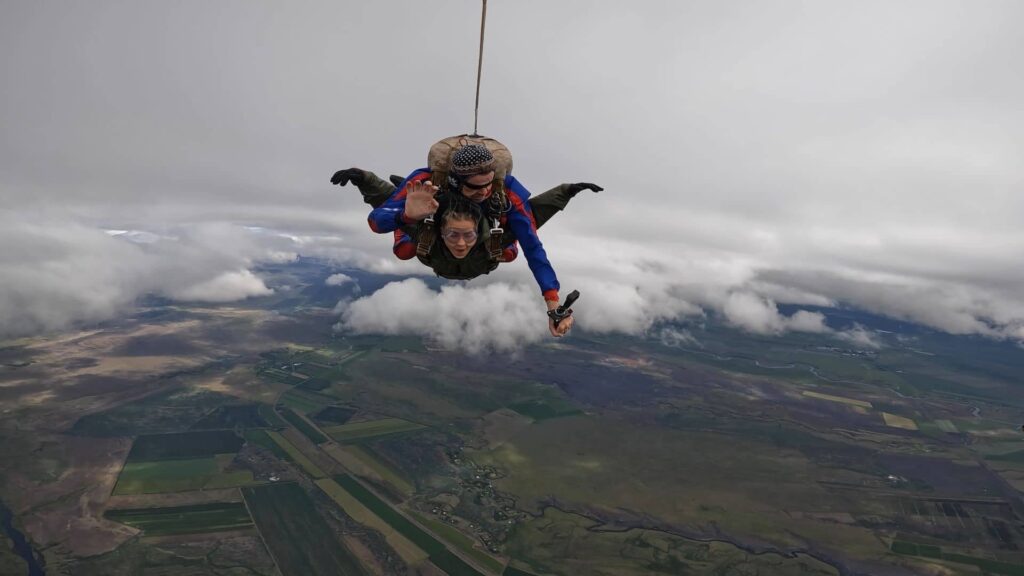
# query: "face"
[459,236]
[483,181]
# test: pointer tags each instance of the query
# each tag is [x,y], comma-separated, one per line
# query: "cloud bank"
[809,154]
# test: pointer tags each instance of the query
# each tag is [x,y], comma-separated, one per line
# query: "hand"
[563,326]
[562,329]
[343,177]
[419,200]
[578,187]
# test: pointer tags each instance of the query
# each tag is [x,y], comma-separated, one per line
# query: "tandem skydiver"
[474,206]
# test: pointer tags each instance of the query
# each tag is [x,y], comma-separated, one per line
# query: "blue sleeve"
[521,222]
[388,216]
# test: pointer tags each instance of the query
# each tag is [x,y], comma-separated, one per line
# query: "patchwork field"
[184,445]
[180,475]
[199,518]
[357,431]
[440,556]
[716,453]
[298,537]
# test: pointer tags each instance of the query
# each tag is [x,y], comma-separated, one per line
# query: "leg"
[374,190]
[549,203]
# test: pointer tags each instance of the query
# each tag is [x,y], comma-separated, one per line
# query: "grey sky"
[752,152]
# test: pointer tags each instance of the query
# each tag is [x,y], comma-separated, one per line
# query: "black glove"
[343,177]
[578,187]
[396,179]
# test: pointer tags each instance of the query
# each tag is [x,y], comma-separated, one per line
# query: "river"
[22,547]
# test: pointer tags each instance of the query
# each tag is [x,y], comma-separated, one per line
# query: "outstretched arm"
[524,229]
[394,212]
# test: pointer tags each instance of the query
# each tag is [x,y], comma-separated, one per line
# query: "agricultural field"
[303,425]
[200,460]
[299,539]
[296,456]
[357,431]
[184,445]
[409,552]
[718,453]
[233,417]
[360,459]
[546,408]
[193,519]
[440,556]
[170,411]
[179,476]
[335,415]
[262,439]
[306,401]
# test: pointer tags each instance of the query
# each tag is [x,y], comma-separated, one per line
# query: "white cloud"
[860,337]
[338,280]
[497,317]
[226,287]
[778,157]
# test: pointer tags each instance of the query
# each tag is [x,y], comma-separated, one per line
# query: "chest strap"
[426,237]
[494,242]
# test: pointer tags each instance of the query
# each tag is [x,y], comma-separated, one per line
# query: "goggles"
[454,235]
[466,184]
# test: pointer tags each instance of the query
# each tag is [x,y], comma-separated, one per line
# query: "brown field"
[174,498]
[68,512]
[899,421]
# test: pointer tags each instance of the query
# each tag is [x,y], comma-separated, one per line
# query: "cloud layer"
[852,153]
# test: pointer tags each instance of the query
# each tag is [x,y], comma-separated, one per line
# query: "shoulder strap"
[425,241]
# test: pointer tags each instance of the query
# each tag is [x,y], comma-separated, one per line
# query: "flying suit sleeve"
[520,220]
[388,217]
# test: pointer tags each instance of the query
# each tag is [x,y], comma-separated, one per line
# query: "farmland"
[356,431]
[184,445]
[439,554]
[298,537]
[178,476]
[184,519]
[789,454]
[300,423]
[296,456]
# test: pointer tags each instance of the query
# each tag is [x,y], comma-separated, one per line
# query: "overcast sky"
[753,153]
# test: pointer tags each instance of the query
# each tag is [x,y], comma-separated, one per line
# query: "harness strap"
[426,237]
[494,242]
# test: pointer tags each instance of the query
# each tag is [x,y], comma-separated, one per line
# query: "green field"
[281,376]
[357,431]
[232,417]
[184,445]
[409,552]
[193,519]
[299,538]
[271,416]
[303,426]
[439,554]
[546,408]
[464,543]
[165,412]
[296,456]
[386,472]
[263,440]
[1016,456]
[927,551]
[178,476]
